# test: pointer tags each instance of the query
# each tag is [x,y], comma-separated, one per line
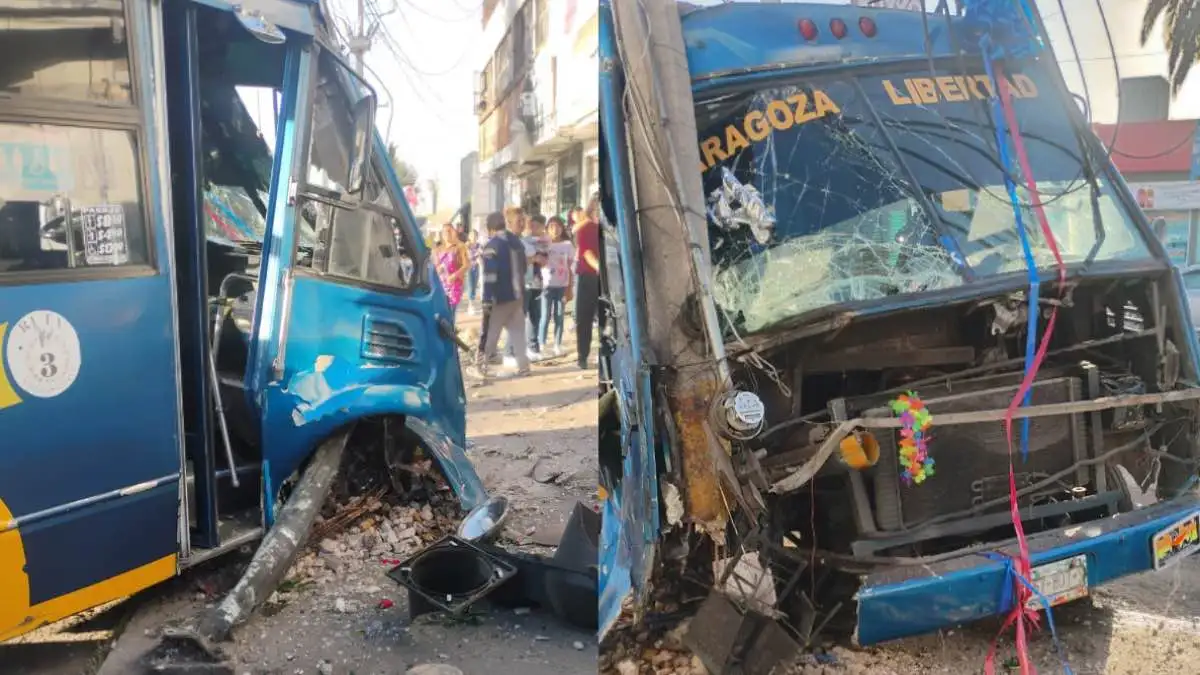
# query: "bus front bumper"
[906,601]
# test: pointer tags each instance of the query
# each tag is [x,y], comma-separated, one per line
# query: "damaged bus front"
[913,249]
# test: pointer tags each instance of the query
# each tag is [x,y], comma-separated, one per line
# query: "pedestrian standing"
[575,217]
[587,279]
[514,223]
[504,265]
[556,283]
[472,290]
[536,249]
[452,262]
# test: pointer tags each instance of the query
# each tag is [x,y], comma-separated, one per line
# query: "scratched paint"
[705,503]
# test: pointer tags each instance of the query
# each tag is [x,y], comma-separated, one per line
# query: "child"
[556,280]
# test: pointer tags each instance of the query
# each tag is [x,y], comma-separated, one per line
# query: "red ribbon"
[1020,613]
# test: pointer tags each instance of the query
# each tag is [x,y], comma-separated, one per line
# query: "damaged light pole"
[669,203]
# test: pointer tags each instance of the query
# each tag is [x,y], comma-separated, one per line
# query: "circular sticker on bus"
[43,353]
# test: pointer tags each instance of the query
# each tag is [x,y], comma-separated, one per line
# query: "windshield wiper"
[946,239]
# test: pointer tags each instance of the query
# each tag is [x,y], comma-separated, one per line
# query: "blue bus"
[898,214]
[201,284]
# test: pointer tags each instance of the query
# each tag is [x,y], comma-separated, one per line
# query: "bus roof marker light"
[838,28]
[867,25]
[808,29]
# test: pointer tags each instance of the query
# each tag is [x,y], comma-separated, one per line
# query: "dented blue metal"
[630,525]
[310,370]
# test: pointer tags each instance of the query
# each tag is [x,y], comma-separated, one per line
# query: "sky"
[422,63]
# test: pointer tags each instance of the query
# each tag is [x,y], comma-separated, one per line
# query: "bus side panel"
[61,553]
[90,455]
[90,475]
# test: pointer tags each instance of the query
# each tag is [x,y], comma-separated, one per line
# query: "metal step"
[234,531]
[222,478]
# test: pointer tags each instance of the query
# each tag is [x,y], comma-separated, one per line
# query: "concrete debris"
[433,669]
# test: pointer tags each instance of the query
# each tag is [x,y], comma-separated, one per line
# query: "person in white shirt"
[556,282]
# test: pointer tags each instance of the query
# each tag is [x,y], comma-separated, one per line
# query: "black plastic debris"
[568,583]
[579,547]
[571,594]
[450,575]
[572,584]
[454,573]
[731,639]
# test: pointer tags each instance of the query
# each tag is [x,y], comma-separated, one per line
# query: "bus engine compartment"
[1115,336]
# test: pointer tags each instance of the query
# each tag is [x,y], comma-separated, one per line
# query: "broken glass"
[809,206]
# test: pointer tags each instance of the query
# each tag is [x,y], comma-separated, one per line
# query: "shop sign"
[1167,196]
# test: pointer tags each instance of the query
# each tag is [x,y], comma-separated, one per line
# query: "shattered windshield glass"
[809,206]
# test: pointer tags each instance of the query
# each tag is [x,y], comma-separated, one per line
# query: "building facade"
[537,106]
[1160,160]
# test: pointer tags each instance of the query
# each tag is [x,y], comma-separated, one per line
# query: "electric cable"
[467,16]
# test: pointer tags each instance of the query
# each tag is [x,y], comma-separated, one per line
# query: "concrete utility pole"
[669,201]
[360,42]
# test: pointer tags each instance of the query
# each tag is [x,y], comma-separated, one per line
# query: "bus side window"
[70,191]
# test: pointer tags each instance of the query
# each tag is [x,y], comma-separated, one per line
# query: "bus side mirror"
[363,114]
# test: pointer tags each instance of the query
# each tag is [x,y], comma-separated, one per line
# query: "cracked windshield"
[830,191]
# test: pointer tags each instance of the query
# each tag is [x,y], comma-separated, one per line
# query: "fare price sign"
[104,241]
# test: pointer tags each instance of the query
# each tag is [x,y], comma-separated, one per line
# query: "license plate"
[1060,581]
[1176,541]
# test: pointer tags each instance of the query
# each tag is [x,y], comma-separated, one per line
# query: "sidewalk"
[533,438]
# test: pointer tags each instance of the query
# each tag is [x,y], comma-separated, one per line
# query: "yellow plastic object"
[859,451]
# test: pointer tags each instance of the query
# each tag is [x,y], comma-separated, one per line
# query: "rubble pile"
[368,522]
[645,655]
[654,644]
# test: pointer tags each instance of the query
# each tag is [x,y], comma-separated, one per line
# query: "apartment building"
[537,106]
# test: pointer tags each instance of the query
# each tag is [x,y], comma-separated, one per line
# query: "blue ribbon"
[1008,24]
[1026,249]
[1008,601]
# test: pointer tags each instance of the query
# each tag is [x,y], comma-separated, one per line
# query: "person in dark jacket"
[504,266]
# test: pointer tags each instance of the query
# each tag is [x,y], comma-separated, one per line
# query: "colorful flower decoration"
[914,438]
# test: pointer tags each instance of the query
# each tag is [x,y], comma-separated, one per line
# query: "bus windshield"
[825,191]
[239,148]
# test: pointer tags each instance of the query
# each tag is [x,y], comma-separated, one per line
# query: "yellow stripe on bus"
[17,617]
[8,395]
